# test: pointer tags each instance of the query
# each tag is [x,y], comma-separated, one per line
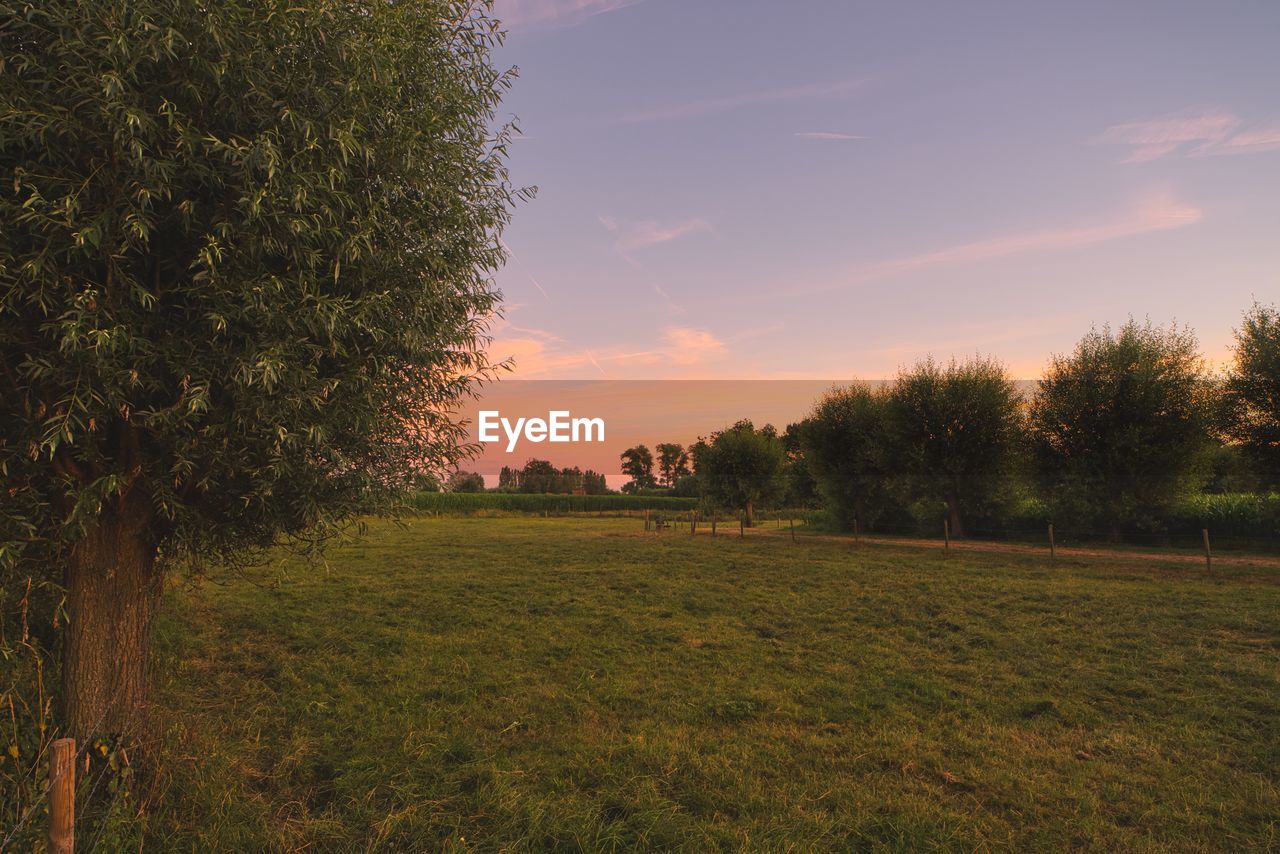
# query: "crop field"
[530,683]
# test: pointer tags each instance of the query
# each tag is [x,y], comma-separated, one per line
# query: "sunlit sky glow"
[819,188]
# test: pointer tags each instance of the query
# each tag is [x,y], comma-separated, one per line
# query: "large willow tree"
[245,256]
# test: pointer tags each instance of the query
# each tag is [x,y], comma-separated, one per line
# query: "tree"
[637,464]
[673,463]
[540,477]
[465,481]
[1118,427]
[742,467]
[845,441]
[801,487]
[954,432]
[244,268]
[1252,391]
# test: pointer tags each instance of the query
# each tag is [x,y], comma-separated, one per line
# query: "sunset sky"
[815,188]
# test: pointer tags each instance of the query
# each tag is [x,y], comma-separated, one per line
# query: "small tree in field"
[845,442]
[954,432]
[637,464]
[1252,391]
[743,467]
[244,263]
[1119,426]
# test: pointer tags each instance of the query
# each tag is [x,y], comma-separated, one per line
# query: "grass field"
[529,683]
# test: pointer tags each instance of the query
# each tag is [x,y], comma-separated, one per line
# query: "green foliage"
[743,467]
[540,476]
[954,433]
[845,441]
[244,262]
[1253,390]
[1119,428]
[513,502]
[465,481]
[637,464]
[673,463]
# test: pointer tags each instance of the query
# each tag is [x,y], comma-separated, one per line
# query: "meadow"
[573,683]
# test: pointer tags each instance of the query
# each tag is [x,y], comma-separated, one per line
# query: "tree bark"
[113,589]
[953,516]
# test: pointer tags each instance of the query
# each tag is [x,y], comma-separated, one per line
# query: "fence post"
[793,528]
[713,524]
[946,534]
[742,526]
[1053,552]
[855,530]
[62,796]
[646,520]
[1208,555]
[693,522]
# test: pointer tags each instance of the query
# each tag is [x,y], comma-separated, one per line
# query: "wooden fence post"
[713,524]
[742,526]
[62,796]
[646,520]
[793,528]
[855,530]
[1053,552]
[693,522]
[1208,555]
[946,534]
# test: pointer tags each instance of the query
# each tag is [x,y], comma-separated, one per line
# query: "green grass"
[536,684]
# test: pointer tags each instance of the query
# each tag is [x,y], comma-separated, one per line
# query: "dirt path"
[1021,548]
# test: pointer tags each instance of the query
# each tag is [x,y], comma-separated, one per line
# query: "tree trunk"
[749,512]
[113,589]
[953,516]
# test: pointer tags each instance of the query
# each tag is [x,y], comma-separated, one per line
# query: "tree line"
[1114,434]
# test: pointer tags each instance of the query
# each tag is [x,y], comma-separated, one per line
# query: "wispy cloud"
[677,350]
[517,14]
[1155,213]
[672,305]
[827,135]
[744,99]
[630,237]
[1204,134]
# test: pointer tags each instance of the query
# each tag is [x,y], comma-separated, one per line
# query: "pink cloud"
[744,99]
[541,354]
[686,346]
[632,236]
[533,13]
[1157,213]
[1207,134]
[827,135]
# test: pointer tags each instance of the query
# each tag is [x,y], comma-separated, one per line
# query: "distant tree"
[539,477]
[1252,391]
[1119,427]
[954,432]
[637,464]
[845,442]
[245,266]
[673,463]
[594,483]
[743,467]
[465,481]
[509,478]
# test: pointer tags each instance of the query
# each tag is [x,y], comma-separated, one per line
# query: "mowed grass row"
[572,683]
